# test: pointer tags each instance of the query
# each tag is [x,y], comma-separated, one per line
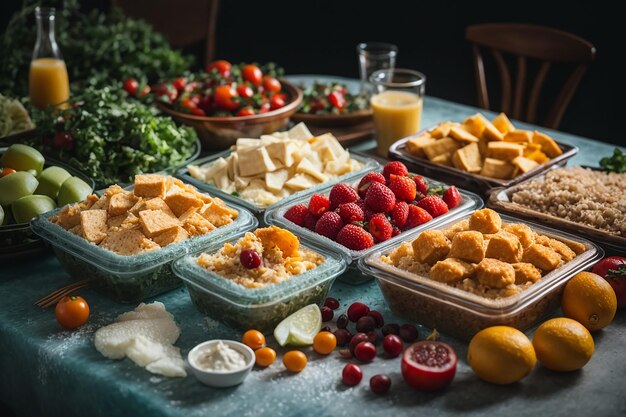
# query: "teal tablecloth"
[46,371]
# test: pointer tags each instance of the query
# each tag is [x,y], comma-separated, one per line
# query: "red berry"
[417,216]
[367,180]
[350,213]
[434,205]
[420,185]
[331,303]
[408,333]
[319,204]
[357,310]
[365,324]
[380,198]
[342,321]
[395,167]
[372,336]
[403,188]
[369,214]
[378,318]
[250,259]
[390,328]
[380,384]
[395,232]
[329,225]
[342,194]
[399,213]
[365,352]
[452,197]
[356,339]
[343,336]
[297,214]
[351,375]
[355,237]
[327,313]
[310,220]
[392,345]
[380,227]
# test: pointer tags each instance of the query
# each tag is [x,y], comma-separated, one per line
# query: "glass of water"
[374,56]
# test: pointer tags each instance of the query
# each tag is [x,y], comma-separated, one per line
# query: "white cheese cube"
[299,132]
[274,181]
[255,161]
[301,182]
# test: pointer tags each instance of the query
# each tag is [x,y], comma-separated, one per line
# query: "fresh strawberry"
[369,179]
[310,220]
[403,188]
[319,204]
[417,216]
[351,212]
[355,237]
[297,214]
[369,214]
[379,198]
[420,185]
[452,197]
[395,167]
[380,227]
[329,225]
[342,194]
[434,205]
[399,213]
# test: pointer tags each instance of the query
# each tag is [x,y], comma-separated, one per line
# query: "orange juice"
[397,114]
[48,82]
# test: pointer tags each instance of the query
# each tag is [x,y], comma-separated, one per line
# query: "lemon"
[563,344]
[501,355]
[590,300]
[300,328]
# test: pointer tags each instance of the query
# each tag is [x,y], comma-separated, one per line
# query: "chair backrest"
[182,22]
[529,42]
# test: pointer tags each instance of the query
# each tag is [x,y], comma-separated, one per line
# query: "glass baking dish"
[369,164]
[462,314]
[258,308]
[129,279]
[469,202]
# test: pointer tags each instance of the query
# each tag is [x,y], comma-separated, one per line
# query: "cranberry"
[408,333]
[343,336]
[372,336]
[365,352]
[351,374]
[357,310]
[380,321]
[250,259]
[392,345]
[380,384]
[365,324]
[390,328]
[331,303]
[342,321]
[327,313]
[356,339]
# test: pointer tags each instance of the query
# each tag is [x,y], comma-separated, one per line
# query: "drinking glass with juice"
[397,105]
[48,82]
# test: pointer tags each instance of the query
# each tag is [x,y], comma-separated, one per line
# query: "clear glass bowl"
[257,308]
[129,279]
[469,202]
[462,314]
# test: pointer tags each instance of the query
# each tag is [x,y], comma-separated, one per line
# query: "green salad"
[331,98]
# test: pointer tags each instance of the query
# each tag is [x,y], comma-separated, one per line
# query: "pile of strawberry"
[382,206]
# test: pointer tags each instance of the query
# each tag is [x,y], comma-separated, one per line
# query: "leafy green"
[115,138]
[614,163]
[98,48]
[315,99]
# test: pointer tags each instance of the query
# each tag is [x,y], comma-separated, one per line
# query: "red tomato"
[337,100]
[207,104]
[197,112]
[421,375]
[187,104]
[195,99]
[144,91]
[72,312]
[271,84]
[131,85]
[276,102]
[252,73]
[317,105]
[246,111]
[265,107]
[63,140]
[192,86]
[222,67]
[179,84]
[245,91]
[224,95]
[165,92]
[6,171]
[613,269]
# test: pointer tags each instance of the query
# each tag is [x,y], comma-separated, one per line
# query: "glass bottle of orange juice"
[48,83]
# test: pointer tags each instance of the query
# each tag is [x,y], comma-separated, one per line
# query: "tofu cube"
[494,273]
[548,145]
[94,225]
[542,257]
[504,151]
[567,254]
[255,161]
[525,272]
[182,201]
[68,217]
[468,246]
[441,146]
[157,204]
[524,164]
[524,233]
[491,133]
[461,226]
[485,221]
[128,242]
[495,168]
[503,124]
[149,186]
[443,159]
[505,247]
[170,236]
[154,222]
[475,124]
[462,135]
[195,224]
[218,213]
[121,203]
[430,246]
[442,130]
[451,271]
[519,136]
[468,158]
[416,144]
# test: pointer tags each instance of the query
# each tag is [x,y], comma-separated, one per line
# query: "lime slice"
[300,328]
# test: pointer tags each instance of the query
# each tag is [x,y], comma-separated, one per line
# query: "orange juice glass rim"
[385,78]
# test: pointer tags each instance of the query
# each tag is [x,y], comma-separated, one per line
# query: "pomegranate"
[428,365]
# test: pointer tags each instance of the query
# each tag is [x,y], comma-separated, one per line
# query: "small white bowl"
[221,379]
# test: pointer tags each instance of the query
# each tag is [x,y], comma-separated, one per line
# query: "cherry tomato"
[131,85]
[294,360]
[246,111]
[271,84]
[144,91]
[428,366]
[265,107]
[252,73]
[187,104]
[195,99]
[207,104]
[192,86]
[276,102]
[254,339]
[222,67]
[198,112]
[63,140]
[165,92]
[265,356]
[351,374]
[317,105]
[337,99]
[6,171]
[245,91]
[324,343]
[224,95]
[72,311]
[179,84]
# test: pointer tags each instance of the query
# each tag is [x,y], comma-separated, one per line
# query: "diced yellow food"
[567,254]
[68,217]
[195,224]
[149,185]
[430,246]
[542,257]
[218,213]
[475,124]
[503,124]
[405,249]
[441,146]
[156,203]
[442,130]
[538,156]
[485,221]
[128,242]
[524,233]
[519,136]
[495,168]
[94,225]
[468,246]
[504,151]
[451,270]
[491,133]
[494,273]
[524,164]
[461,226]
[468,158]
[415,145]
[530,148]
[505,247]
[548,145]
[120,203]
[154,222]
[443,159]
[274,236]
[462,135]
[525,272]
[175,235]
[181,201]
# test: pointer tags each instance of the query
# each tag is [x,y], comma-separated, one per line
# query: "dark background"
[320,36]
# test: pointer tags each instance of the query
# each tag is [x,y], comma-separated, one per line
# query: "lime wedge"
[300,328]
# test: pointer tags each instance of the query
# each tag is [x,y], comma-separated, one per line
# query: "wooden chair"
[528,42]
[182,22]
